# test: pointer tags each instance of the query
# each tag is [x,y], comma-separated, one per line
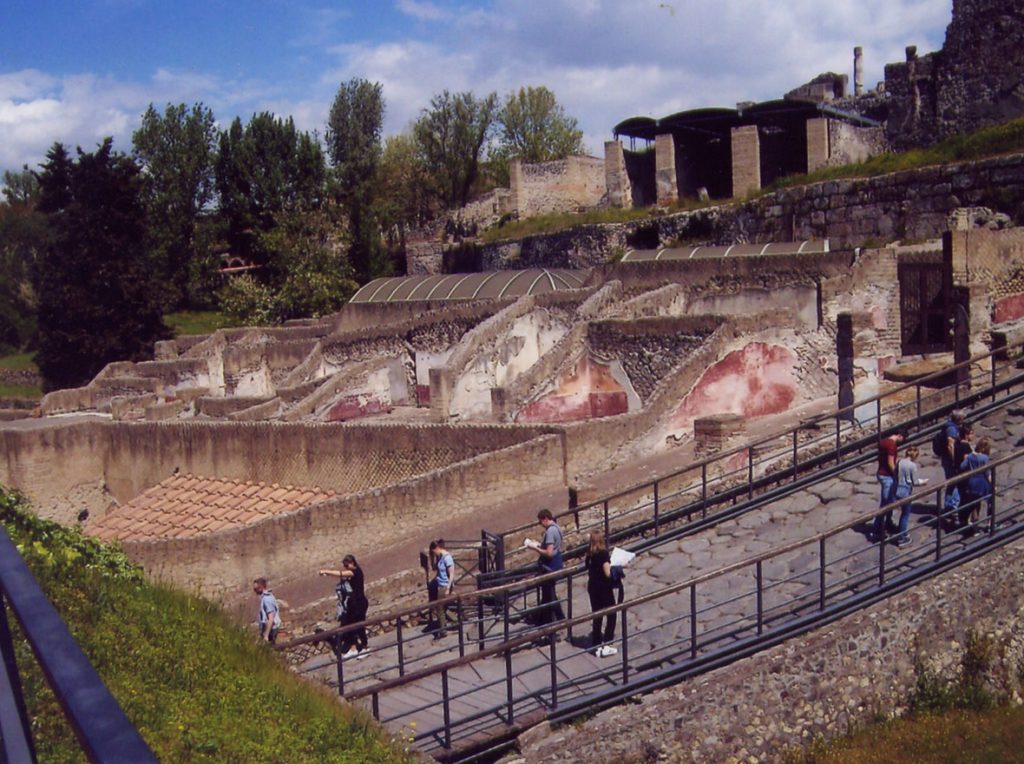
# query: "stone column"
[858,71]
[665,169]
[746,161]
[844,356]
[817,143]
[441,384]
[620,194]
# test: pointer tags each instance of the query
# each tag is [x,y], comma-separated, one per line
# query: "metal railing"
[720,616]
[103,730]
[710,489]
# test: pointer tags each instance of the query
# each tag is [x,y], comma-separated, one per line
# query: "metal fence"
[103,730]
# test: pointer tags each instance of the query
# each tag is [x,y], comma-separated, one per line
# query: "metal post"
[462,634]
[375,705]
[795,445]
[606,522]
[917,388]
[703,490]
[554,672]
[991,501]
[838,442]
[14,722]
[480,623]
[401,648]
[656,509]
[939,521]
[992,365]
[693,621]
[508,687]
[568,604]
[504,607]
[821,573]
[881,557]
[760,598]
[625,647]
[750,472]
[341,671]
[447,709]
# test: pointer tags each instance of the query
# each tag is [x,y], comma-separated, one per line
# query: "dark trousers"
[354,613]
[551,608]
[599,600]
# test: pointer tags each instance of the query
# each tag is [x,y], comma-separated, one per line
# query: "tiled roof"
[186,505]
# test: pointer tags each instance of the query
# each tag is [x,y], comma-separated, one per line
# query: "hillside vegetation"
[198,688]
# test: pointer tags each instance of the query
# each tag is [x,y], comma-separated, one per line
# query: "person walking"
[946,447]
[977,488]
[549,560]
[269,613]
[964,448]
[601,591]
[906,480]
[888,449]
[441,585]
[352,605]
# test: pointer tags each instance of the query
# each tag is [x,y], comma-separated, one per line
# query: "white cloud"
[423,10]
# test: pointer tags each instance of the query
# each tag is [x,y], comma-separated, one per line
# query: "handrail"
[643,599]
[533,581]
[837,413]
[103,730]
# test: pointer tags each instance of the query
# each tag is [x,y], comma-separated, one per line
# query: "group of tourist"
[958,454]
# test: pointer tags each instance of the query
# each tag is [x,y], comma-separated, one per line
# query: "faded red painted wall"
[1008,308]
[587,392]
[354,407]
[760,379]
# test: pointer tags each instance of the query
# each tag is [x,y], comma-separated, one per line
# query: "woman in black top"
[601,592]
[352,604]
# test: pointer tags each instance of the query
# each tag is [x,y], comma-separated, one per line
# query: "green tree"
[532,126]
[24,234]
[177,151]
[403,200]
[266,172]
[353,143]
[98,293]
[450,137]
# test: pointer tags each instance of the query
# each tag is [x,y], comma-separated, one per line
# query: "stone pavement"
[659,629]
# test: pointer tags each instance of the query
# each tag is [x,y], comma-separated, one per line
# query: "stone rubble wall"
[818,685]
[284,547]
[850,144]
[564,185]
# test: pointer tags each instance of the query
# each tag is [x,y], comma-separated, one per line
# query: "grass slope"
[198,688]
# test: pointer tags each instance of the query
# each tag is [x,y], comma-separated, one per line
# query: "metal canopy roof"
[734,250]
[494,285]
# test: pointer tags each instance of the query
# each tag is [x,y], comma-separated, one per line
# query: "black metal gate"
[924,308]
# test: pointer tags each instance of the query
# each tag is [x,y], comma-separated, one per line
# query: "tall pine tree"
[97,286]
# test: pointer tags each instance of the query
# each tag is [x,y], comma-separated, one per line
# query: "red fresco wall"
[587,392]
[1008,308]
[354,407]
[754,381]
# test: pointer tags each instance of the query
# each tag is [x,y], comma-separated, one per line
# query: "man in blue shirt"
[549,559]
[441,586]
[269,615]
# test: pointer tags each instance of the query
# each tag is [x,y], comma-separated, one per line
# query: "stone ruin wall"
[849,144]
[973,81]
[97,463]
[818,685]
[994,262]
[564,185]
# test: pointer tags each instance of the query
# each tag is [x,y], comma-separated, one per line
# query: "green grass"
[949,737]
[197,322]
[18,362]
[29,392]
[197,688]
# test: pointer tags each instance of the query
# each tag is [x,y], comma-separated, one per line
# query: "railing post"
[939,522]
[480,622]
[882,542]
[917,389]
[554,672]
[838,441]
[656,512]
[401,648]
[991,501]
[462,634]
[447,709]
[341,670]
[795,458]
[375,705]
[14,722]
[703,490]
[992,366]
[693,621]
[568,604]
[625,647]
[750,472]
[760,598]
[508,687]
[607,523]
[821,574]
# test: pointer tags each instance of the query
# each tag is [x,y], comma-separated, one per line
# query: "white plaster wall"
[255,383]
[427,360]
[530,336]
[802,300]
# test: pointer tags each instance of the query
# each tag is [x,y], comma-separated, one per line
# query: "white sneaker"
[365,652]
[352,653]
[605,651]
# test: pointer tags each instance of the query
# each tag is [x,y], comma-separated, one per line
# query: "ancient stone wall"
[117,461]
[285,547]
[913,204]
[817,685]
[976,79]
[993,260]
[563,185]
[849,144]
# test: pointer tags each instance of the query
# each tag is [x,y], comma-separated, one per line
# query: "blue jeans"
[886,484]
[902,492]
[952,500]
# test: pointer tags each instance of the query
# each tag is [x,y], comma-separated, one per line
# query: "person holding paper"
[601,591]
[549,559]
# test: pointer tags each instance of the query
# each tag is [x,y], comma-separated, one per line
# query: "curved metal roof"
[734,250]
[494,285]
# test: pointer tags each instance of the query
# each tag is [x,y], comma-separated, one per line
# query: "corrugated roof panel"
[470,286]
[732,250]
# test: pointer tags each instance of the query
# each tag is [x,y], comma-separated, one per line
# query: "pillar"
[665,169]
[620,194]
[441,386]
[858,71]
[746,161]
[844,355]
[817,143]
[518,193]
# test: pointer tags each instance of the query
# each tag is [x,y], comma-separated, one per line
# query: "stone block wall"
[563,185]
[818,685]
[285,547]
[114,461]
[993,260]
[849,144]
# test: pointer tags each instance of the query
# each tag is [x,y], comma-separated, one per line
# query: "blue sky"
[79,70]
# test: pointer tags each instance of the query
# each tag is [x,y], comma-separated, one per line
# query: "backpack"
[939,447]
